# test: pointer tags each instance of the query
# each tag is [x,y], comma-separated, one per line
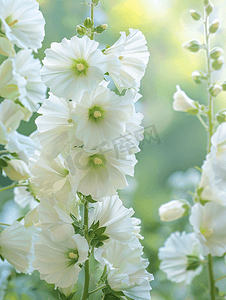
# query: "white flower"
[102,116]
[100,173]
[181,257]
[182,102]
[58,263]
[125,269]
[56,126]
[115,217]
[16,169]
[23,197]
[73,67]
[6,47]
[209,224]
[55,216]
[50,176]
[22,23]
[132,53]
[29,69]
[12,85]
[15,245]
[173,210]
[10,118]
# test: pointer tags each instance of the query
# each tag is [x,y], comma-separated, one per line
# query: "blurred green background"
[166,25]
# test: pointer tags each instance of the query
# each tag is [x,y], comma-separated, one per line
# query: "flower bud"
[221,117]
[88,23]
[81,29]
[215,90]
[192,46]
[217,64]
[173,210]
[95,2]
[214,26]
[206,2]
[209,8]
[216,53]
[195,15]
[198,77]
[224,86]
[101,28]
[183,103]
[6,47]
[17,170]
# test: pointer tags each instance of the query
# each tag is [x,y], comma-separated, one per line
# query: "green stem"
[202,121]
[210,133]
[9,187]
[4,224]
[97,289]
[220,278]
[4,151]
[92,14]
[86,234]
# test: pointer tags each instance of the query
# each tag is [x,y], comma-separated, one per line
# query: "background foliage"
[166,25]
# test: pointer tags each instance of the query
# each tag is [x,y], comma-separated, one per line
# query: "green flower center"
[97,161]
[193,262]
[73,256]
[206,232]
[96,113]
[10,21]
[80,67]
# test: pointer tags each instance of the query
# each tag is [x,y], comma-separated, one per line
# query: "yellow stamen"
[13,23]
[73,255]
[9,129]
[98,161]
[121,57]
[80,67]
[70,120]
[207,232]
[97,114]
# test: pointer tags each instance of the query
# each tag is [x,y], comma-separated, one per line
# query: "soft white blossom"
[23,197]
[181,257]
[15,245]
[6,47]
[182,102]
[132,54]
[73,67]
[16,169]
[102,115]
[22,23]
[59,263]
[125,269]
[173,210]
[209,224]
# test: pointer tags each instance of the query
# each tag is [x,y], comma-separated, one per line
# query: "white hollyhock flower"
[101,116]
[73,67]
[125,269]
[23,197]
[58,263]
[22,23]
[50,176]
[173,210]
[181,257]
[12,85]
[56,126]
[209,224]
[182,102]
[132,53]
[17,169]
[29,68]
[55,216]
[115,217]
[100,173]
[15,245]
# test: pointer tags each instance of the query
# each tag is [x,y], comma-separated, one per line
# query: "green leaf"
[3,163]
[100,231]
[90,199]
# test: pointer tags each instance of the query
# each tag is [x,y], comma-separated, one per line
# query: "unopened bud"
[217,64]
[206,2]
[174,210]
[198,77]
[192,46]
[95,2]
[221,117]
[81,29]
[195,15]
[17,170]
[224,86]
[101,28]
[214,26]
[209,8]
[6,47]
[216,53]
[215,90]
[88,23]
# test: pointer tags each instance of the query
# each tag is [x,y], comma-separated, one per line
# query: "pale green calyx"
[192,46]
[96,113]
[209,8]
[97,161]
[198,77]
[88,23]
[216,53]
[81,29]
[214,26]
[217,64]
[195,15]
[194,111]
[80,67]
[193,262]
[215,90]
